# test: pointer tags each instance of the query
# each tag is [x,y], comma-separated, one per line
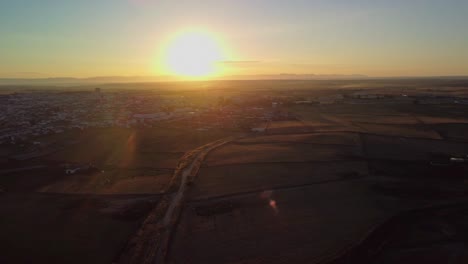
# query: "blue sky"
[123,37]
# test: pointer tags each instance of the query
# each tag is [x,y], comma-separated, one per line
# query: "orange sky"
[127,38]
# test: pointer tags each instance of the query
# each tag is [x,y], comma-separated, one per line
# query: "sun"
[193,54]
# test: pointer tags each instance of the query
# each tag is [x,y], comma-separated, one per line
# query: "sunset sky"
[54,38]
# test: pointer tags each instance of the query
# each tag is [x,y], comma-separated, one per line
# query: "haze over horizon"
[153,38]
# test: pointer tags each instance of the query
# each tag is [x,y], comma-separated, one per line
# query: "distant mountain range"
[75,81]
[287,76]
[64,81]
[132,79]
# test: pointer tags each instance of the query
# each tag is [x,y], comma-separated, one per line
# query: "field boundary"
[276,188]
[375,240]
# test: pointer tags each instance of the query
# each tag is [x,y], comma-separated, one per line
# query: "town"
[25,116]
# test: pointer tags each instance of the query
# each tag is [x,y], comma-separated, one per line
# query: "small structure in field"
[258,129]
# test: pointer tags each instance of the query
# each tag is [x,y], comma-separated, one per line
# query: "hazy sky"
[123,37]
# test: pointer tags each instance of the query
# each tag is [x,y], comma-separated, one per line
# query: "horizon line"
[311,75]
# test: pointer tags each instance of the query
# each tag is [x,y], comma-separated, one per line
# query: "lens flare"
[267,195]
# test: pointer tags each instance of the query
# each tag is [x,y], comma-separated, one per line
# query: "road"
[175,204]
[179,195]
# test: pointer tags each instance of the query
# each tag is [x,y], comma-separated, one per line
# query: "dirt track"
[150,243]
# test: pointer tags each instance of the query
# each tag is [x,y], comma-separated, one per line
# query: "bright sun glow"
[193,54]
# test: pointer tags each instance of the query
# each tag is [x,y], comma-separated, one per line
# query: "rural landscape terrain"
[283,171]
[233,132]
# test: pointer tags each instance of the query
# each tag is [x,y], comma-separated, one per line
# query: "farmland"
[294,182]
[271,198]
[68,228]
[309,189]
[49,216]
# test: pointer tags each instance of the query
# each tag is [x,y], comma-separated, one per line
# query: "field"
[113,181]
[271,197]
[419,121]
[129,148]
[281,127]
[454,131]
[283,198]
[317,182]
[434,235]
[52,228]
[266,162]
[302,225]
[381,147]
[344,139]
[128,161]
[280,152]
[51,217]
[246,178]
[306,190]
